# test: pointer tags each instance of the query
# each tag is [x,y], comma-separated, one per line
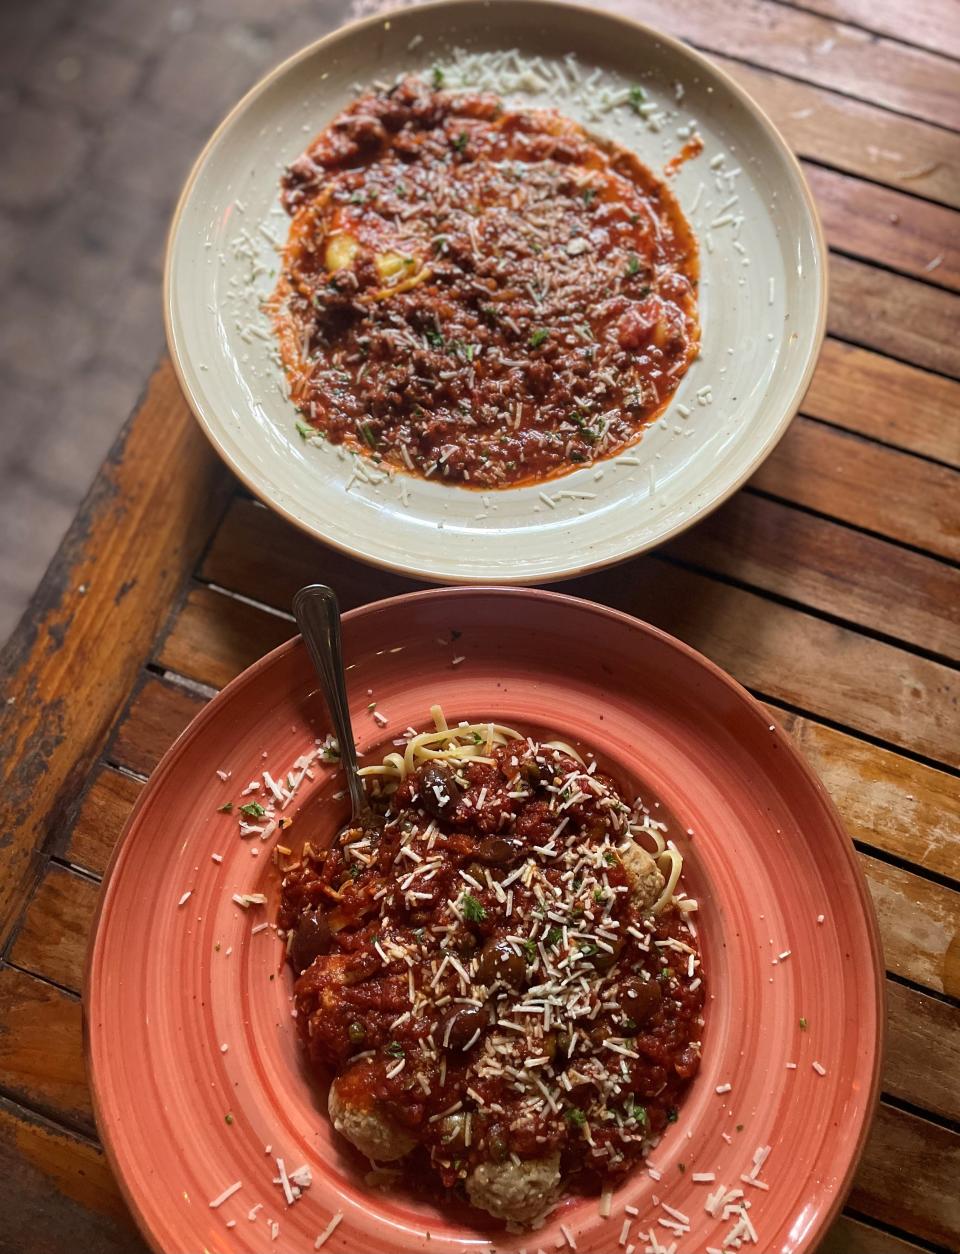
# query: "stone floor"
[103,106]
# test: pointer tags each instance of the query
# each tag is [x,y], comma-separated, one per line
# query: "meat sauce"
[495,936]
[481,295]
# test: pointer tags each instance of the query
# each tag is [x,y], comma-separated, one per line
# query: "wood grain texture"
[919,922]
[923,1039]
[886,400]
[858,138]
[61,1193]
[909,320]
[857,481]
[931,23]
[64,675]
[103,812]
[820,564]
[41,1049]
[880,225]
[887,801]
[806,46]
[157,715]
[853,1236]
[52,940]
[908,1176]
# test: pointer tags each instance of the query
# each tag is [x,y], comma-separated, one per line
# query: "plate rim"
[437,572]
[510,595]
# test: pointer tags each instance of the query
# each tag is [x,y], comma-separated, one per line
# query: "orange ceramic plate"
[193,1055]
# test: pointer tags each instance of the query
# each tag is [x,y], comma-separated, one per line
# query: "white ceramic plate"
[762,296]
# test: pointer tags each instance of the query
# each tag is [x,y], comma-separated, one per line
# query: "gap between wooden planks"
[797,659]
[804,46]
[930,24]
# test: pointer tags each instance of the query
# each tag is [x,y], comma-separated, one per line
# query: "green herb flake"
[637,97]
[228,1118]
[610,858]
[460,143]
[438,77]
[672,1115]
[633,264]
[253,810]
[368,437]
[588,194]
[396,1049]
[530,949]
[575,1117]
[803,1025]
[537,336]
[473,911]
[306,432]
[598,895]
[554,936]
[435,339]
[372,705]
[226,808]
[639,1113]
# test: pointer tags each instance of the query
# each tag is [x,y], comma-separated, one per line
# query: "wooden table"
[829,586]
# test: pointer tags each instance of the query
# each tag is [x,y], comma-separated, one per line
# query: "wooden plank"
[909,320]
[859,138]
[215,637]
[927,23]
[887,801]
[158,714]
[888,227]
[806,46]
[853,1236]
[887,400]
[869,485]
[61,1193]
[923,1039]
[52,941]
[908,1177]
[919,923]
[834,673]
[65,674]
[41,1049]
[818,563]
[103,812]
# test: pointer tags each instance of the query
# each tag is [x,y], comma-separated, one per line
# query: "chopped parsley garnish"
[803,1025]
[537,336]
[598,895]
[530,949]
[639,1113]
[476,738]
[633,264]
[396,1049]
[330,753]
[588,949]
[610,858]
[637,97]
[226,808]
[368,437]
[576,1117]
[645,290]
[354,870]
[306,432]
[357,198]
[473,911]
[400,190]
[253,810]
[554,935]
[588,193]
[228,1118]
[460,143]
[576,456]
[435,339]
[672,1114]
[438,77]
[371,705]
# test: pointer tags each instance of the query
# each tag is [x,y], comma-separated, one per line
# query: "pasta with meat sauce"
[500,970]
[484,295]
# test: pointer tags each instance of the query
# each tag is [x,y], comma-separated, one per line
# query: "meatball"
[366,1127]
[644,876]
[518,1192]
